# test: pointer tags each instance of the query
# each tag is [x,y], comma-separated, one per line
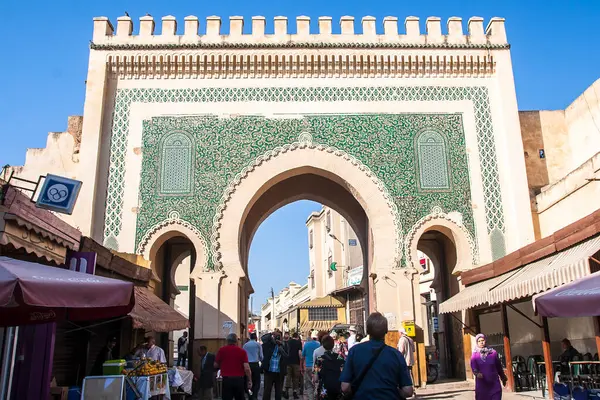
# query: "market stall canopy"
[322,302]
[555,270]
[153,314]
[309,326]
[580,298]
[33,293]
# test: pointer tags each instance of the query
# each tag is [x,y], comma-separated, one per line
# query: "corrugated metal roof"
[556,270]
[471,296]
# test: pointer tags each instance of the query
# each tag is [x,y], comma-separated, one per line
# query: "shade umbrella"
[580,298]
[32,293]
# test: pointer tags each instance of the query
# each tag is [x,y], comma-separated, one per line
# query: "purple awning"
[33,293]
[580,298]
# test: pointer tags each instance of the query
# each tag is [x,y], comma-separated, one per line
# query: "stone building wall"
[562,186]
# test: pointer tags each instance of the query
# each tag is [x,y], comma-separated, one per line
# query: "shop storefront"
[31,234]
[321,314]
[62,353]
[497,301]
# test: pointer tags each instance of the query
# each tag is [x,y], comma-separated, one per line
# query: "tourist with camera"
[273,354]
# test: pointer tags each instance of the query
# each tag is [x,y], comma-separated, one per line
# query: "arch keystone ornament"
[466,249]
[375,198]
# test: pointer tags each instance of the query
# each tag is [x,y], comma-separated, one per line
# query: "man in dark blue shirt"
[388,377]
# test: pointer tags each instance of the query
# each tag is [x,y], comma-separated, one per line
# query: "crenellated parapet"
[390,53]
[210,34]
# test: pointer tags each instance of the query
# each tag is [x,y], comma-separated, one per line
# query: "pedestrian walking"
[292,380]
[206,375]
[488,371]
[273,352]
[352,340]
[307,365]
[284,363]
[327,371]
[182,349]
[373,370]
[232,360]
[320,350]
[255,357]
[406,346]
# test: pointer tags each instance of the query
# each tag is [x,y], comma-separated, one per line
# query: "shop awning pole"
[547,358]
[597,332]
[507,353]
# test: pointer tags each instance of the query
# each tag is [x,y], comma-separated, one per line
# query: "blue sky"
[44,64]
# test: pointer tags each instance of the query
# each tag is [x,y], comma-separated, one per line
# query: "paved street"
[464,390]
[455,390]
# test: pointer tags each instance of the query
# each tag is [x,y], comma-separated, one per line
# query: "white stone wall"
[334,242]
[572,144]
[583,121]
[571,198]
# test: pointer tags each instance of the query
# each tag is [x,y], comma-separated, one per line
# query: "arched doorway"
[331,178]
[308,184]
[450,250]
[171,247]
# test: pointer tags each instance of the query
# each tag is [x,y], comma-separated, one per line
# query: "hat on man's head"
[352,328]
[402,330]
[314,334]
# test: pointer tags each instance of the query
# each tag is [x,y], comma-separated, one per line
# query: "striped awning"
[550,272]
[309,326]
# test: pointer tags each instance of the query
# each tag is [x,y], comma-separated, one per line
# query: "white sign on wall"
[391,321]
[355,276]
[227,327]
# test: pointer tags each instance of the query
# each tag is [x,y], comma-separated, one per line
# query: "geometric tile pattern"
[226,146]
[432,161]
[387,158]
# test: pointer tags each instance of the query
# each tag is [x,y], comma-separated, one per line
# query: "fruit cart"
[147,378]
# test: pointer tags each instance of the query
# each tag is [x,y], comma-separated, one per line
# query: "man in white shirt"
[352,338]
[154,352]
[406,346]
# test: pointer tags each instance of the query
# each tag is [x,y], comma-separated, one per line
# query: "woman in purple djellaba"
[488,371]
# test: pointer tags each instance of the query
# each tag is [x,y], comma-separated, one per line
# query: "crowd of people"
[327,366]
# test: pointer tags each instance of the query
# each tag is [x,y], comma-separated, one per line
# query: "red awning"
[580,298]
[32,293]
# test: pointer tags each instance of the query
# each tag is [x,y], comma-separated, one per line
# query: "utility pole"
[273,316]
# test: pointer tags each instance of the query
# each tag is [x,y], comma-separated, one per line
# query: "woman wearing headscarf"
[488,371]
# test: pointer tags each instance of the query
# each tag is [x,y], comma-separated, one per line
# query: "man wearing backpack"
[373,370]
[327,371]
[406,346]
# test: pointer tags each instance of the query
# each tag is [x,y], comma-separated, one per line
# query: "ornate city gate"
[192,140]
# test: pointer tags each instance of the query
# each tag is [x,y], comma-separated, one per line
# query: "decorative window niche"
[176,165]
[432,161]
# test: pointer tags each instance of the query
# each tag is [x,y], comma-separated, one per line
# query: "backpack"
[331,369]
